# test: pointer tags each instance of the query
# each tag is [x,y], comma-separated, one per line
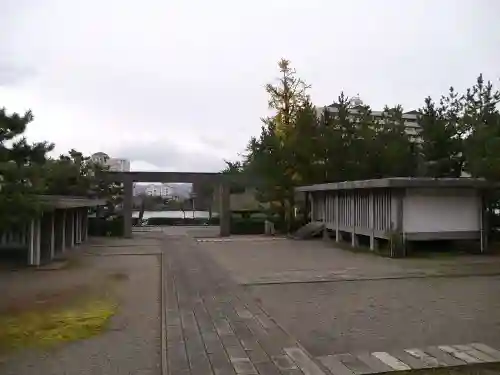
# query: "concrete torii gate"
[222,181]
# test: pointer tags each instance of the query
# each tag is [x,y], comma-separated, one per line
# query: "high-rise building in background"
[410,118]
[114,164]
[159,190]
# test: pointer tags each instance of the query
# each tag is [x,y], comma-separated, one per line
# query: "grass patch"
[43,329]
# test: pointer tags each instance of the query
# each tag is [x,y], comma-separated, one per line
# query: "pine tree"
[441,134]
[481,124]
[21,170]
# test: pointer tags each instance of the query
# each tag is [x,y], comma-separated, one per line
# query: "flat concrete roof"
[62,201]
[402,182]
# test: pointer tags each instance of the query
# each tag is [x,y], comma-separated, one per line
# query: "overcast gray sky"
[178,84]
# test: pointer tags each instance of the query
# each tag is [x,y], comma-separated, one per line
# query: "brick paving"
[213,325]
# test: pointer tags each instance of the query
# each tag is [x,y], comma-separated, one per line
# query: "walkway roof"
[61,201]
[402,182]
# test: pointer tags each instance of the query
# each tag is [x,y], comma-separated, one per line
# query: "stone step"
[408,359]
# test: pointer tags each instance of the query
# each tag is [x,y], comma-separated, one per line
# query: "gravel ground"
[342,317]
[132,343]
[288,261]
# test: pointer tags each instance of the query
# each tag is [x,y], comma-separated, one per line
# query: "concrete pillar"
[371,219]
[128,189]
[76,213]
[34,243]
[337,218]
[225,210]
[86,224]
[78,226]
[398,245]
[47,240]
[70,228]
[60,231]
[483,221]
[354,238]
[53,235]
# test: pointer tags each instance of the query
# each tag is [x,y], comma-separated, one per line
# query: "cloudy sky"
[178,84]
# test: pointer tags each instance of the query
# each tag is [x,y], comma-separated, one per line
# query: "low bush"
[111,226]
[247,226]
[182,221]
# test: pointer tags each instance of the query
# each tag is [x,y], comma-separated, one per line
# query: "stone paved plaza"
[273,305]
[196,304]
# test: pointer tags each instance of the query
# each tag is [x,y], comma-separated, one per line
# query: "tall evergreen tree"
[21,170]
[481,124]
[442,139]
[398,154]
[272,155]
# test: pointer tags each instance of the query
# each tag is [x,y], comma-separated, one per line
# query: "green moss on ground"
[47,328]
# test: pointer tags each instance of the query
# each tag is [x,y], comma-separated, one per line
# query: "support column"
[73,227]
[225,210]
[47,241]
[52,235]
[398,245]
[78,226]
[354,238]
[127,207]
[371,217]
[337,217]
[483,221]
[86,224]
[34,243]
[70,228]
[60,231]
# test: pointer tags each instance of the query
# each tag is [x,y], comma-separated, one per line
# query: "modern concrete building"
[62,225]
[410,118]
[159,190]
[400,210]
[114,164]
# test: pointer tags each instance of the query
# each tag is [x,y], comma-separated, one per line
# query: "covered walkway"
[400,210]
[62,225]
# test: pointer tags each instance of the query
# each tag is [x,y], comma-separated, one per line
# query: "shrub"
[106,226]
[247,226]
[182,221]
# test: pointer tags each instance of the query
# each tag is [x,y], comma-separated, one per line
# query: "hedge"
[182,221]
[113,226]
[247,226]
[102,226]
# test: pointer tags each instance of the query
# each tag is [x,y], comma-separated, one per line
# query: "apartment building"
[158,190]
[114,164]
[410,118]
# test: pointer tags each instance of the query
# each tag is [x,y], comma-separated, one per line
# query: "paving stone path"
[213,326]
[407,359]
